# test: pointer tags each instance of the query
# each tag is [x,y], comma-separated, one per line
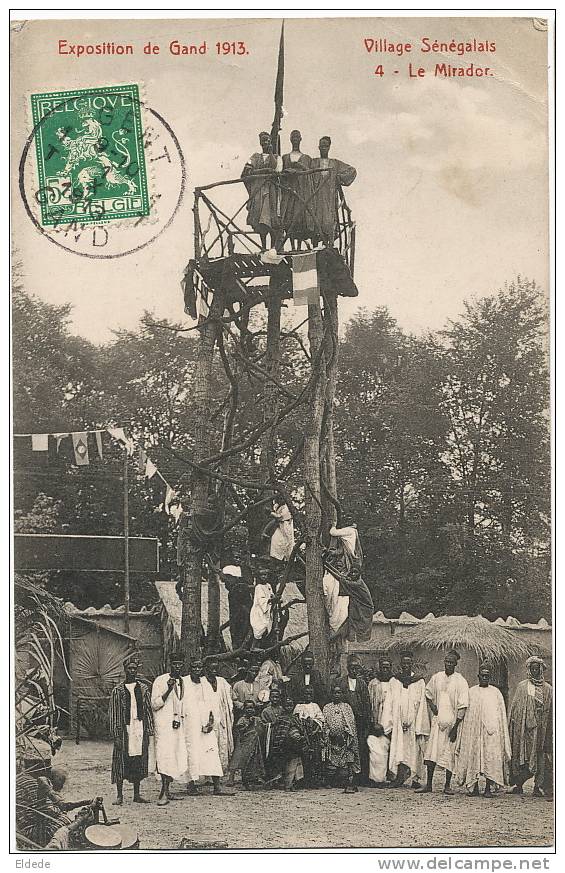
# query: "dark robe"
[263,208]
[360,702]
[248,749]
[297,197]
[124,767]
[240,601]
[529,725]
[326,185]
[297,686]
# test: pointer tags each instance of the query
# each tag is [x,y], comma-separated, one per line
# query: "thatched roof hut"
[487,640]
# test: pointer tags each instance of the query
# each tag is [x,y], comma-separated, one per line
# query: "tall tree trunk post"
[192,552]
[318,626]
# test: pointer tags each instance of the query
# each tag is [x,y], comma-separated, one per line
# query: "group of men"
[293,196]
[288,731]
[418,727]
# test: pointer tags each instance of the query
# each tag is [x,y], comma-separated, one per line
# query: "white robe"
[261,616]
[484,742]
[202,749]
[170,746]
[222,708]
[282,541]
[379,747]
[135,727]
[337,606]
[450,694]
[405,720]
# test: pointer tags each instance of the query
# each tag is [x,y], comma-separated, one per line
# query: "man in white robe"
[221,697]
[447,694]
[201,739]
[378,742]
[282,539]
[406,721]
[167,702]
[484,741]
[261,615]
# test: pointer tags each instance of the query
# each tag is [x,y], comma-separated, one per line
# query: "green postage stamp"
[90,155]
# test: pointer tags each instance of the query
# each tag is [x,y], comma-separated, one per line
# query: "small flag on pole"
[39,442]
[150,468]
[305,281]
[170,496]
[81,449]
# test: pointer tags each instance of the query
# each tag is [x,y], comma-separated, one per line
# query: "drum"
[103,837]
[129,835]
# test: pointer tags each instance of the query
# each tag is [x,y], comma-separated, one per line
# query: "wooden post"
[318,627]
[193,552]
[126,544]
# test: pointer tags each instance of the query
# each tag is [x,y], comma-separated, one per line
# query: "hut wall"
[145,627]
[430,661]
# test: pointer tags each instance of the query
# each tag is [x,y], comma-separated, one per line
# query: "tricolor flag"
[80,446]
[305,281]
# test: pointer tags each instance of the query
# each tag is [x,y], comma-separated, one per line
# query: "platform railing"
[220,219]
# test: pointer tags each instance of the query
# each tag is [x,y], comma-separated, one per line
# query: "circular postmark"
[102,174]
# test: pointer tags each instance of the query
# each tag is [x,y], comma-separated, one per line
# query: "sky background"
[451,196]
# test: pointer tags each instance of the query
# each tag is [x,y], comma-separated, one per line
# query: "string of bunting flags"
[84,445]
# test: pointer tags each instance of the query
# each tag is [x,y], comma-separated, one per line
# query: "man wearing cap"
[131,726]
[484,748]
[168,702]
[530,725]
[447,694]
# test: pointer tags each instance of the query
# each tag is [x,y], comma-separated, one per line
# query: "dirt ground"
[312,819]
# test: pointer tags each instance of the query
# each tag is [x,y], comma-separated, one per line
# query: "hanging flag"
[170,495]
[176,511]
[59,437]
[305,282]
[150,469]
[80,447]
[98,435]
[279,89]
[39,442]
[141,461]
[202,305]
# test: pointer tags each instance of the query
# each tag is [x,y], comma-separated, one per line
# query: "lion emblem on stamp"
[90,155]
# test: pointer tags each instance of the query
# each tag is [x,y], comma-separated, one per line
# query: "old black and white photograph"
[281,457]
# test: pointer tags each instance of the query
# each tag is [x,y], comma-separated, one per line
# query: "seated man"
[248,748]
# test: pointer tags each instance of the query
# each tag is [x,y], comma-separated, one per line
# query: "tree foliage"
[442,444]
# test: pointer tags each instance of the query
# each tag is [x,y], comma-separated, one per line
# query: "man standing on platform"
[167,700]
[131,726]
[259,175]
[356,694]
[326,184]
[447,694]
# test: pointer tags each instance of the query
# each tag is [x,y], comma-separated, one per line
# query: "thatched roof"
[484,638]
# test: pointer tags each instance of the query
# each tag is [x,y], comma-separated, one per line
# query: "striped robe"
[124,767]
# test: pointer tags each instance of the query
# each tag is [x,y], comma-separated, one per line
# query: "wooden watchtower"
[228,276]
